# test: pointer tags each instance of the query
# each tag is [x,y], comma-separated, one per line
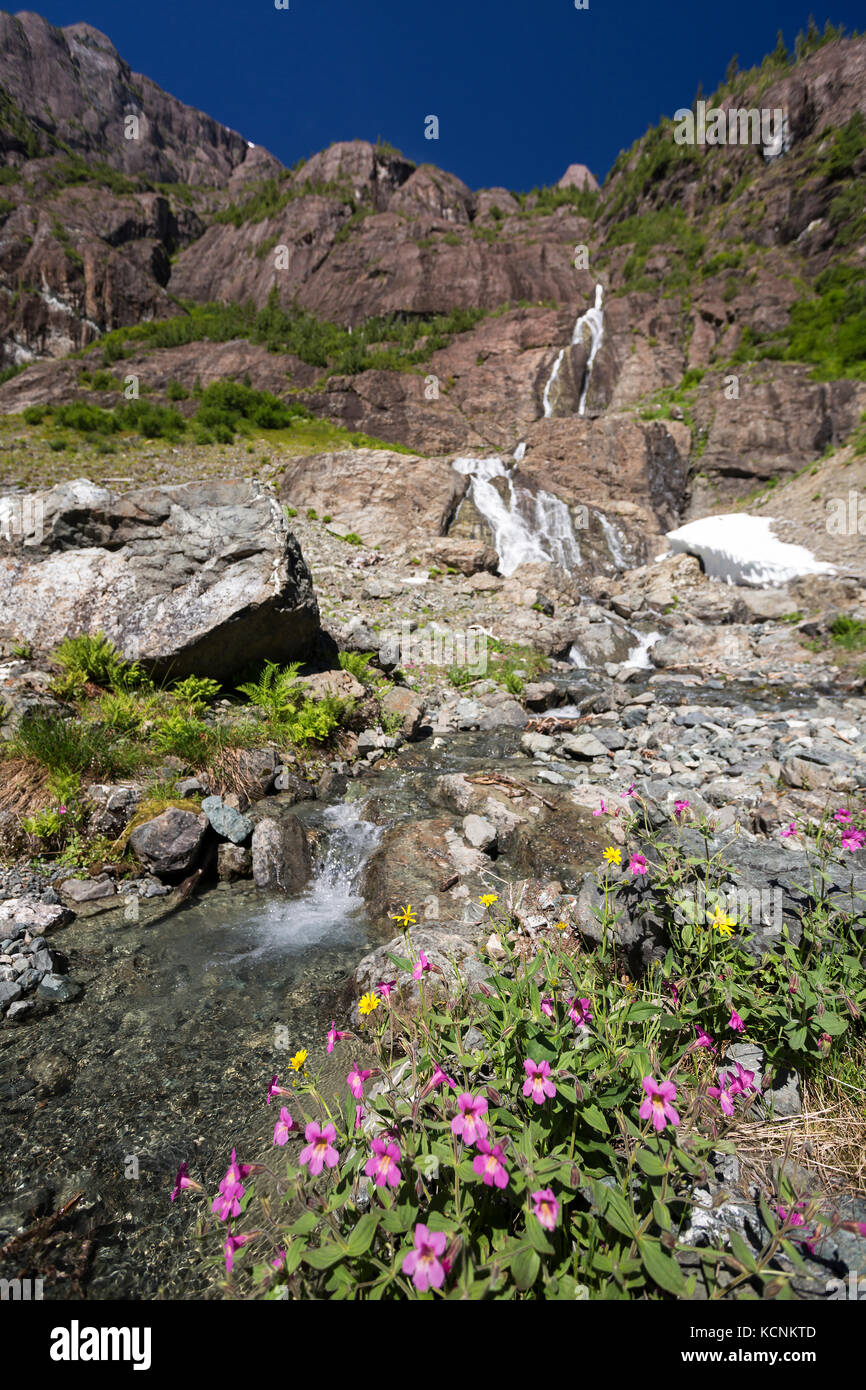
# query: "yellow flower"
[561,926]
[488,899]
[629,986]
[613,855]
[298,1060]
[406,918]
[368,1002]
[723,924]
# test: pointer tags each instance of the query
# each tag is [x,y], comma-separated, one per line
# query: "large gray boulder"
[202,578]
[282,861]
[169,844]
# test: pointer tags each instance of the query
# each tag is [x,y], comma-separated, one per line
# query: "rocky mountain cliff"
[392,299]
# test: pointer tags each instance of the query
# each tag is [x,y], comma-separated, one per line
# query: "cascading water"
[527,527]
[614,541]
[591,322]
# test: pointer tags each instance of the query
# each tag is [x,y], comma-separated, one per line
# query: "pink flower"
[382,1165]
[488,1164]
[421,965]
[657,1104]
[320,1151]
[853,840]
[704,1039]
[234,1243]
[629,791]
[360,1112]
[638,864]
[182,1181]
[282,1127]
[579,1012]
[441,1078]
[742,1082]
[723,1094]
[468,1125]
[275,1090]
[736,1023]
[334,1036]
[546,1207]
[841,814]
[424,1263]
[602,810]
[279,1260]
[547,1007]
[63,810]
[680,808]
[788,831]
[538,1084]
[231,1190]
[355,1081]
[385,986]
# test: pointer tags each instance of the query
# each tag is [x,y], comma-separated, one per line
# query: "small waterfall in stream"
[614,541]
[527,527]
[591,322]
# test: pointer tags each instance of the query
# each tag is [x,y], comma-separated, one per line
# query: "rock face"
[204,578]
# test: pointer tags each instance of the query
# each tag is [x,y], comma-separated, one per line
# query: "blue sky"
[522,88]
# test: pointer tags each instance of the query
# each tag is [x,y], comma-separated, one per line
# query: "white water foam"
[639,656]
[614,541]
[592,323]
[527,527]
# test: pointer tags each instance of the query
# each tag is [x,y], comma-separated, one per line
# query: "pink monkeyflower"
[743,1082]
[841,814]
[282,1127]
[382,1165]
[320,1151]
[680,808]
[602,809]
[579,1012]
[231,1191]
[360,1112]
[853,840]
[421,965]
[439,1078]
[182,1181]
[788,831]
[63,810]
[547,1006]
[355,1081]
[657,1104]
[234,1243]
[275,1090]
[424,1263]
[723,1094]
[538,1084]
[546,1207]
[629,791]
[704,1039]
[736,1023]
[335,1036]
[488,1164]
[675,995]
[279,1260]
[468,1125]
[385,986]
[638,864]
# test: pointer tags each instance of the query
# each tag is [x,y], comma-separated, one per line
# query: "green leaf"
[399,1219]
[536,1237]
[661,1214]
[427,1165]
[834,1025]
[324,1257]
[650,1163]
[595,1118]
[661,1267]
[402,962]
[524,1269]
[741,1252]
[304,1224]
[361,1239]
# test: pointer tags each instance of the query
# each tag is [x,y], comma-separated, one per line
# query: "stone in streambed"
[170,843]
[226,821]
[281,856]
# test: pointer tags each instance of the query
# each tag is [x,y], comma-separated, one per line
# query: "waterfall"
[527,527]
[639,655]
[614,541]
[593,322]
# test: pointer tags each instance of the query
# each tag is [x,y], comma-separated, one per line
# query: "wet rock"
[509,714]
[233,861]
[400,701]
[86,890]
[33,916]
[190,786]
[171,843]
[58,989]
[281,857]
[583,746]
[53,1072]
[226,821]
[10,991]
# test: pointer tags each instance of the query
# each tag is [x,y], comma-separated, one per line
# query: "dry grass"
[828,1141]
[23,786]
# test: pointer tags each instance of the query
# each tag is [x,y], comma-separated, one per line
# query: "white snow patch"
[742,549]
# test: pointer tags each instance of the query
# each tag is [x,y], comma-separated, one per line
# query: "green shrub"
[357,664]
